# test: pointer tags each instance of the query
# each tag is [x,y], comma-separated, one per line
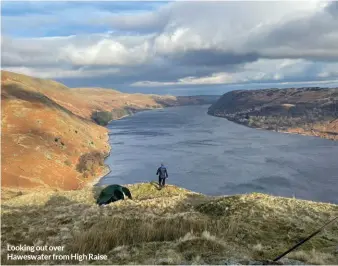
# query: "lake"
[214,156]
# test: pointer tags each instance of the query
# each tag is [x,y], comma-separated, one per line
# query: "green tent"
[113,193]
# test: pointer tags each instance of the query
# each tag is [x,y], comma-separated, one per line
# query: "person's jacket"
[162,172]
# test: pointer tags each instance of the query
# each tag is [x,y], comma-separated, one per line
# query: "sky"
[178,48]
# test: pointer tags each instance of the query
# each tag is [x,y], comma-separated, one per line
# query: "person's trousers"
[161,181]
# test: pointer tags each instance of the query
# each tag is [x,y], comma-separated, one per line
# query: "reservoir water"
[214,156]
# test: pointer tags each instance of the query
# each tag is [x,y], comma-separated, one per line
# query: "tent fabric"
[113,193]
[126,192]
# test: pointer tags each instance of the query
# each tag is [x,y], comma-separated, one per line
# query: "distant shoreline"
[305,134]
[302,111]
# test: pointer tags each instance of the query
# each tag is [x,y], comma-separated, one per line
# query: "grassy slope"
[46,129]
[42,140]
[171,226]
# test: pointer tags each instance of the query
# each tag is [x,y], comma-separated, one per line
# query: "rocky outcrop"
[308,111]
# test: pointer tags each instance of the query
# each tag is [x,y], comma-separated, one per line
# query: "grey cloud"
[123,83]
[158,73]
[313,38]
[213,57]
[332,9]
[29,52]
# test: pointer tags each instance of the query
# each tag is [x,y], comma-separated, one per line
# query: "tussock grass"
[171,226]
[115,231]
[312,257]
[151,190]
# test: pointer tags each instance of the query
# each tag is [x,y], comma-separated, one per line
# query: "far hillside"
[308,111]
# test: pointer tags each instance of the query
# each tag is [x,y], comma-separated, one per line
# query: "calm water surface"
[217,157]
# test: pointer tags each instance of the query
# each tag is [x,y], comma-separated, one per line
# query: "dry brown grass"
[89,163]
[312,257]
[171,226]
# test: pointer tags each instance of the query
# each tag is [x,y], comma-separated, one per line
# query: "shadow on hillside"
[155,184]
[14,91]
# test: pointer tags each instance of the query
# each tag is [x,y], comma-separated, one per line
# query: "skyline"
[178,48]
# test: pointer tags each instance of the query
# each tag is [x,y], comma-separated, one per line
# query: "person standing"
[162,175]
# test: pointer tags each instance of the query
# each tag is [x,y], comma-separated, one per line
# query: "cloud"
[105,52]
[177,43]
[139,22]
[57,73]
[261,71]
[311,37]
[214,57]
[217,78]
[30,52]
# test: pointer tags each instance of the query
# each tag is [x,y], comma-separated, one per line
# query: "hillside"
[169,226]
[308,111]
[48,136]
